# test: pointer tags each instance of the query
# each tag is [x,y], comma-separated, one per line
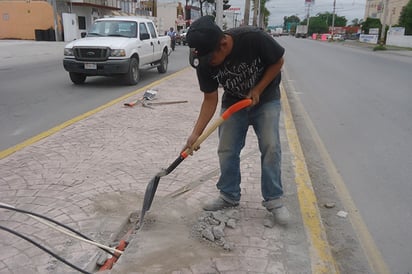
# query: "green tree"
[263,16]
[371,23]
[405,19]
[265,13]
[289,23]
[322,21]
[356,22]
[317,25]
[340,21]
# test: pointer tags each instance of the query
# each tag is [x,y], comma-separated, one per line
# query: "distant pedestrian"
[171,32]
[246,62]
[172,35]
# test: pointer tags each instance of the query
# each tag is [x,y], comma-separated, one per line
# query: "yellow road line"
[322,260]
[40,136]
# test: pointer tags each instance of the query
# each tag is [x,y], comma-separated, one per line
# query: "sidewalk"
[92,174]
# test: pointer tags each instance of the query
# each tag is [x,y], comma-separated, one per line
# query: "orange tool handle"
[225,115]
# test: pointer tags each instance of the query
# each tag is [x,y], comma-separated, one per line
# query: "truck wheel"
[162,68]
[77,78]
[133,76]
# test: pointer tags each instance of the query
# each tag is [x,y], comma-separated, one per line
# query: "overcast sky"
[351,9]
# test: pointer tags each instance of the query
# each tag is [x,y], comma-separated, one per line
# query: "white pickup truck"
[117,46]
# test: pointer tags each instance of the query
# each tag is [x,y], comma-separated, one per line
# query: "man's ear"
[225,43]
[224,40]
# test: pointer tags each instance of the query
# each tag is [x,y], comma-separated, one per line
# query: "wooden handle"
[225,115]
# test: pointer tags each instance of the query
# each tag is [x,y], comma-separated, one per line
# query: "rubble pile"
[211,226]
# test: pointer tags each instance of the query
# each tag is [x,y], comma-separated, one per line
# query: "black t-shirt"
[253,50]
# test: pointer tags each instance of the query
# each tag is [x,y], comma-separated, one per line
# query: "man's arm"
[270,73]
[207,111]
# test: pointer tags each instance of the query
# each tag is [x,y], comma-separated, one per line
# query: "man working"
[246,62]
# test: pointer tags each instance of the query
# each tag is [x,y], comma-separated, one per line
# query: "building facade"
[375,9]
[65,20]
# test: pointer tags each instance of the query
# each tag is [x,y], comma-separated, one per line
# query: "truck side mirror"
[144,36]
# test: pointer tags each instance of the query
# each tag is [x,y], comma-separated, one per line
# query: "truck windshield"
[114,28]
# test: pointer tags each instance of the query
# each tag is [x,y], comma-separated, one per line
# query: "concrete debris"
[208,234]
[211,226]
[329,205]
[342,214]
[231,223]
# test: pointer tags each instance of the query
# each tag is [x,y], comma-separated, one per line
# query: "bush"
[379,47]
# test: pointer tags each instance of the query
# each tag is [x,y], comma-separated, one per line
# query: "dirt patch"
[172,239]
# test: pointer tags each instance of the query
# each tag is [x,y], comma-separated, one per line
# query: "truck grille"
[91,54]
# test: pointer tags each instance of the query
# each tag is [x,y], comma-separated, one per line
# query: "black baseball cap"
[204,37]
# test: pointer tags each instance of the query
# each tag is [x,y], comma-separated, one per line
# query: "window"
[82,22]
[143,30]
[152,30]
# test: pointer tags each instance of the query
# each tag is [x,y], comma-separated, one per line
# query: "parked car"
[117,46]
[338,37]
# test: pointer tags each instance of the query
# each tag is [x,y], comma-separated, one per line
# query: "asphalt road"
[36,93]
[359,102]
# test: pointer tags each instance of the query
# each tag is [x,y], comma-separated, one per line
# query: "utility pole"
[56,29]
[385,15]
[247,13]
[219,13]
[255,13]
[307,18]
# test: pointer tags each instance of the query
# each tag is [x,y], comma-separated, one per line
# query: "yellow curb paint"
[322,260]
[32,140]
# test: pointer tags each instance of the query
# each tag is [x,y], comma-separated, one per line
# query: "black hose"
[55,222]
[44,249]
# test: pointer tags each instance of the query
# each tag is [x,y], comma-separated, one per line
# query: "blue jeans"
[232,134]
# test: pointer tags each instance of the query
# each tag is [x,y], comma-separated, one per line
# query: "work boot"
[281,215]
[280,212]
[219,203]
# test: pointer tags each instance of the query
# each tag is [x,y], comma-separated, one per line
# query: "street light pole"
[55,19]
[219,13]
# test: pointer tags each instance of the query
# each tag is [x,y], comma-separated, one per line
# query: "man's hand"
[190,141]
[254,95]
[270,73]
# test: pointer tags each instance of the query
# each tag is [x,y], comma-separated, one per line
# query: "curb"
[322,260]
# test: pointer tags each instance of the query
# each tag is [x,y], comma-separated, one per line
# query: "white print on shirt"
[239,79]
